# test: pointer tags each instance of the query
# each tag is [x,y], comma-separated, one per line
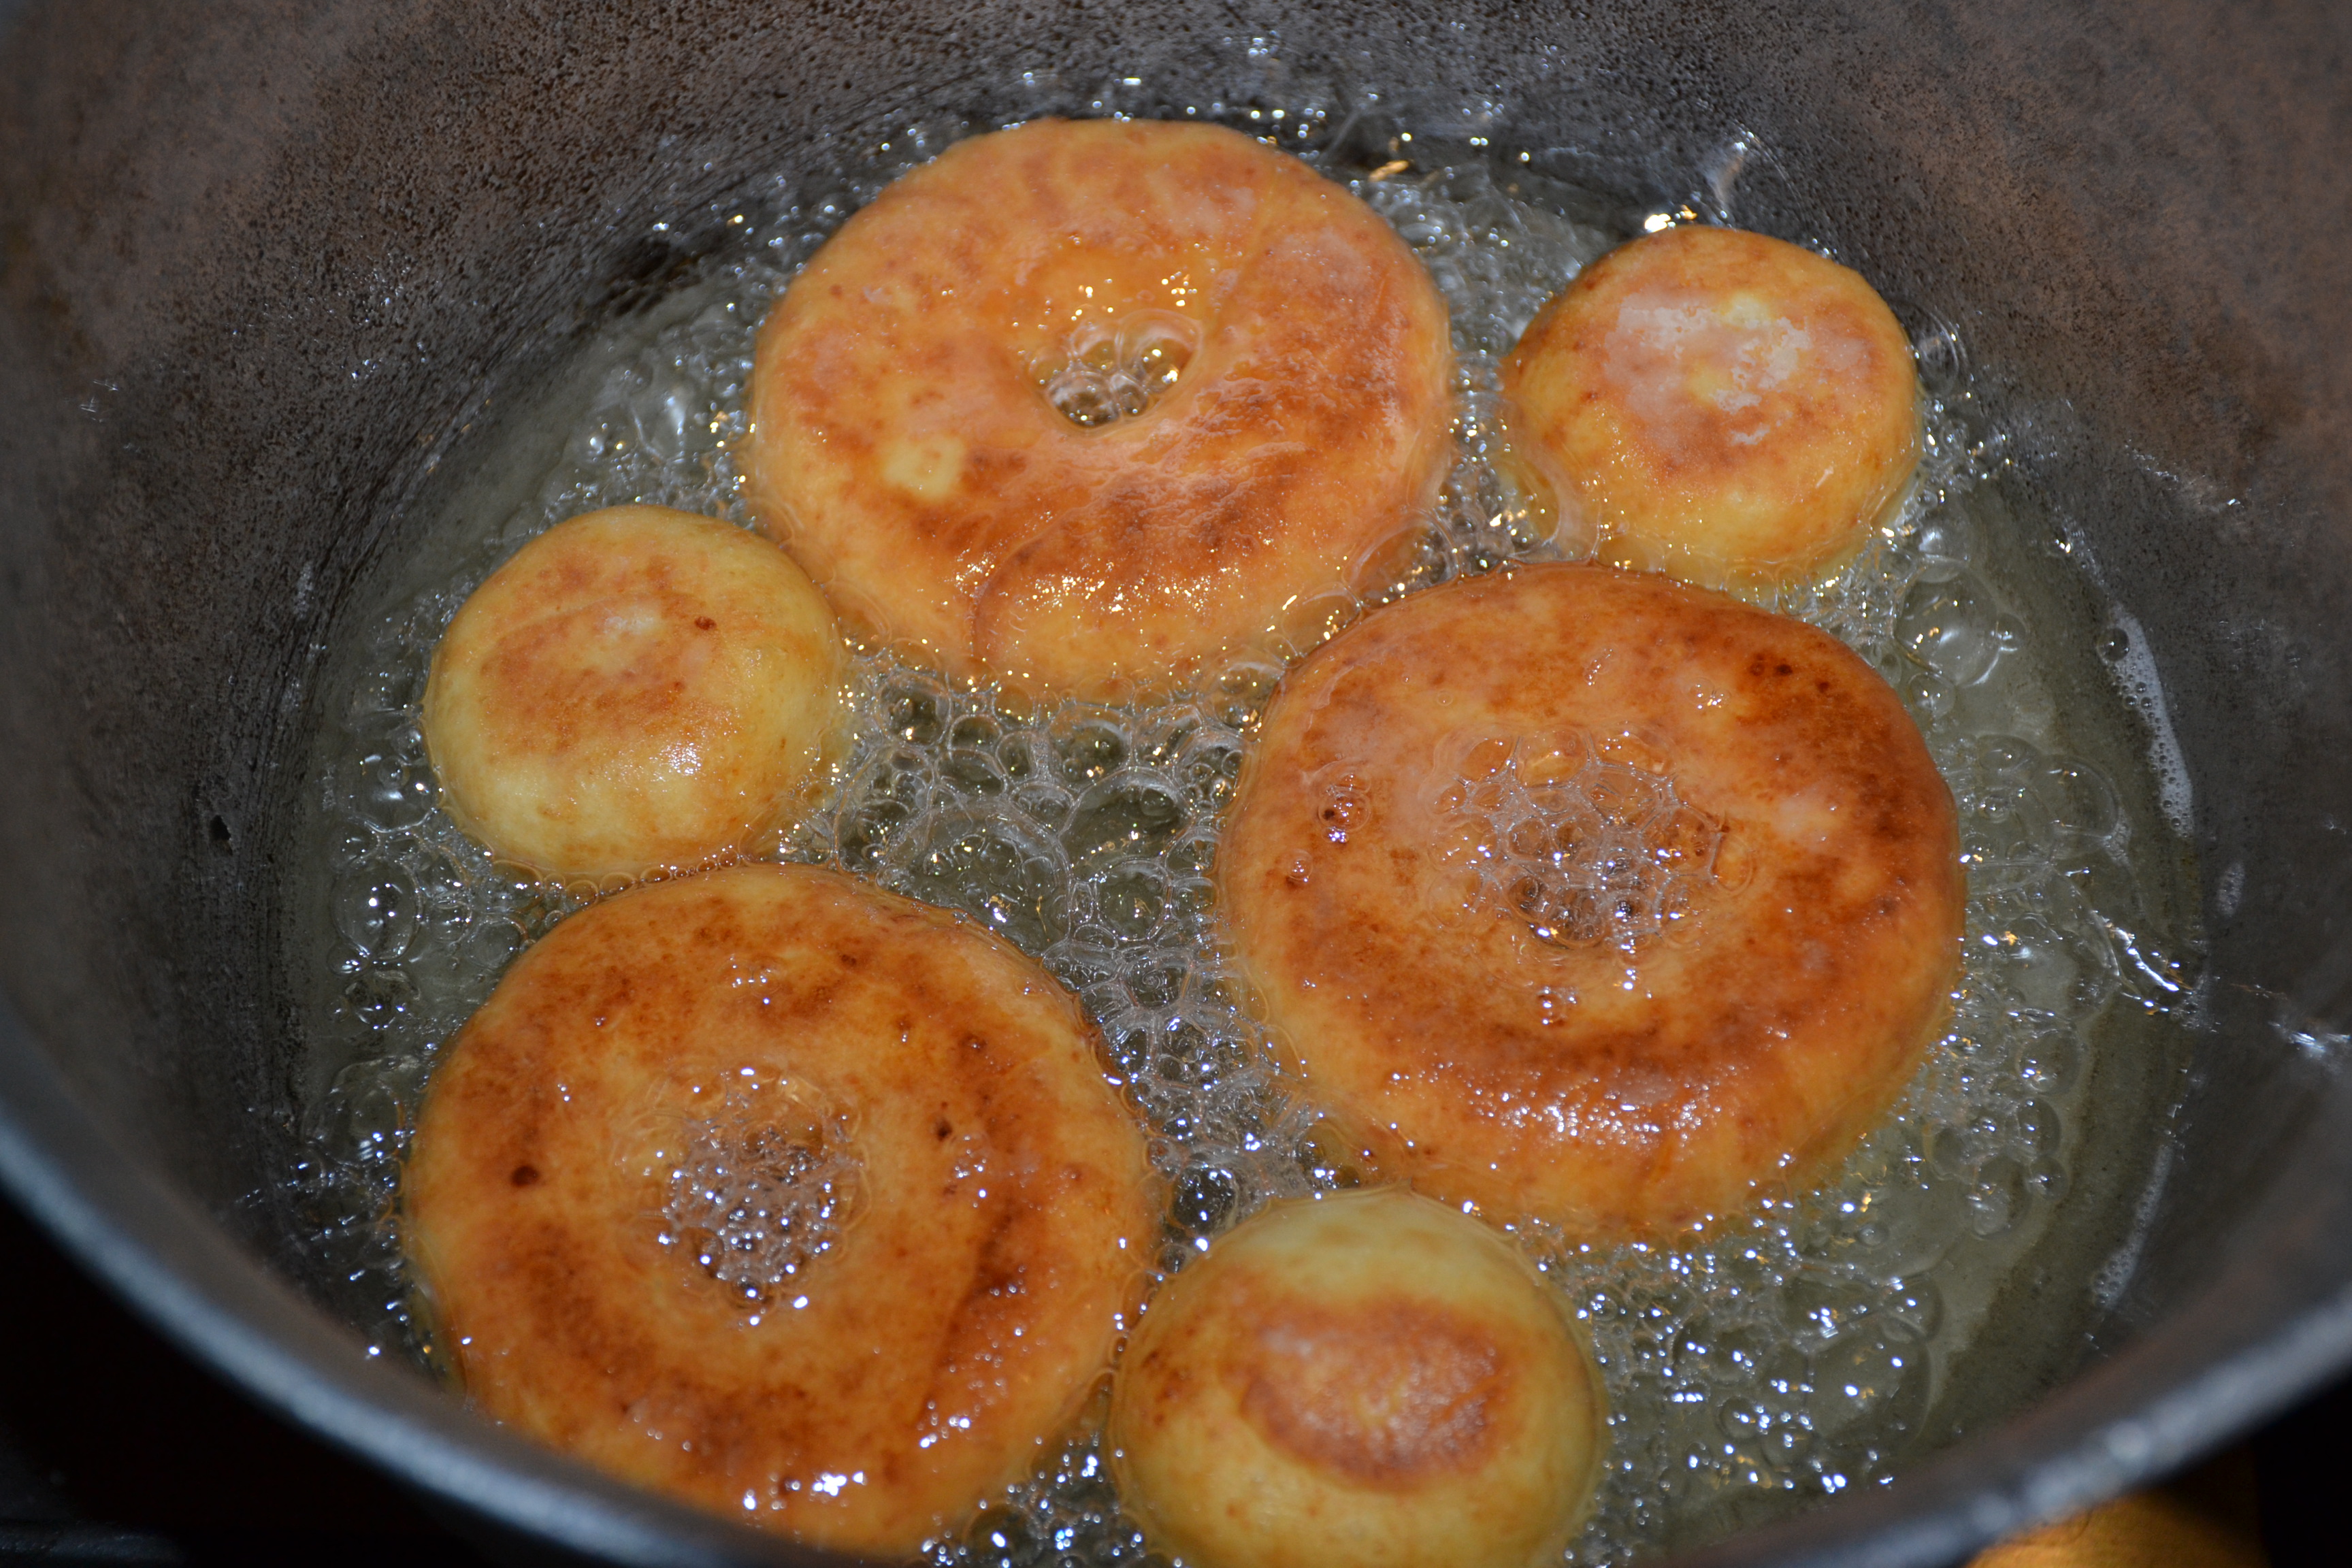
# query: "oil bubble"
[1087,744]
[1130,812]
[393,793]
[993,865]
[380,995]
[1204,1197]
[1999,1198]
[1873,1382]
[1948,627]
[1133,898]
[375,908]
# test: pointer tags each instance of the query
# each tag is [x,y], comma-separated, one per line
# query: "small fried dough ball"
[638,688]
[785,1196]
[1087,405]
[1727,407]
[1585,894]
[1367,1380]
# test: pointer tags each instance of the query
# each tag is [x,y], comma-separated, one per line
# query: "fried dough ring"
[1364,1381]
[636,688]
[1718,405]
[1532,977]
[986,1217]
[905,450]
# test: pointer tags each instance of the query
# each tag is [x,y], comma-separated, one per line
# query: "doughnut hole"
[1367,1380]
[636,688]
[1108,373]
[1719,406]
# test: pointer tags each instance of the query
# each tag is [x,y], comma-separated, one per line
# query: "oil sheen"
[1795,1354]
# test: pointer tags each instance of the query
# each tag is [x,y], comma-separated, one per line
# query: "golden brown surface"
[994,1211]
[2147,1530]
[1723,406]
[1642,1067]
[905,449]
[1364,1381]
[636,688]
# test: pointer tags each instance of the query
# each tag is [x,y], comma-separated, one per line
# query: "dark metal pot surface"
[263,265]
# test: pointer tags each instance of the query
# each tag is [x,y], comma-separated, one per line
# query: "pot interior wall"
[268,275]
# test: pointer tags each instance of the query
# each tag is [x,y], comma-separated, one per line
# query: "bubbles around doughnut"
[1718,405]
[1587,895]
[1366,1381]
[785,1197]
[638,688]
[1082,405]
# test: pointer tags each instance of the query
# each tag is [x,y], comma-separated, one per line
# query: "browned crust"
[1006,1205]
[1311,426]
[1718,481]
[637,687]
[1753,1051]
[1385,1395]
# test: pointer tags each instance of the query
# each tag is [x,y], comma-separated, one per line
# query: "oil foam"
[1791,1356]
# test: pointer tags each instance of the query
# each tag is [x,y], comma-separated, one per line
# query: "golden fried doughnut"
[1295,358]
[1730,408]
[1588,895]
[783,1195]
[1364,1381]
[636,688]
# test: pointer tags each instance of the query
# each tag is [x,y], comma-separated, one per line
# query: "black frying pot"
[264,268]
